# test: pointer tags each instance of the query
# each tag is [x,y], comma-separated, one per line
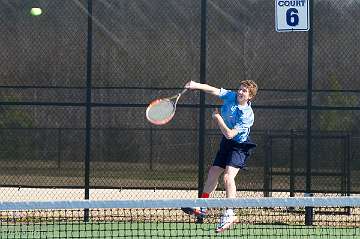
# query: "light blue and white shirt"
[236,116]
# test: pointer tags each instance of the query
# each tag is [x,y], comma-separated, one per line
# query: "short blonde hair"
[251,86]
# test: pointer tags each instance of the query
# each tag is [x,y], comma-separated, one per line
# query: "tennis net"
[331,217]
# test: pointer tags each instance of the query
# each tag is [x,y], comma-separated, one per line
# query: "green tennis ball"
[35,11]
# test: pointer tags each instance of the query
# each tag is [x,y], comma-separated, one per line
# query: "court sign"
[292,15]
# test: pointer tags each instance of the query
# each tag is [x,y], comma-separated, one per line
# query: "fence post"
[292,156]
[348,163]
[203,66]
[309,109]
[309,215]
[267,165]
[88,109]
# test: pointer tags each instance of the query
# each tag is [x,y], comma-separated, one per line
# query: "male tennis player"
[234,120]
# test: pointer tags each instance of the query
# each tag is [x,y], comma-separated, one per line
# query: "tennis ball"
[35,11]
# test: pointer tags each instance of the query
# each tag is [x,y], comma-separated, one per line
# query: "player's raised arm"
[192,85]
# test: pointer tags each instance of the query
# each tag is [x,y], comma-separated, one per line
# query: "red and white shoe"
[197,211]
[226,221]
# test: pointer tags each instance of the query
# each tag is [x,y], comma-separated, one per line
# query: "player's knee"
[228,179]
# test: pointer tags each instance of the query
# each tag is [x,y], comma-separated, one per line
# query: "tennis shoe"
[199,212]
[226,221]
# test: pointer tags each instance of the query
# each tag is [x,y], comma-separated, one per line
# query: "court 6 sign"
[292,15]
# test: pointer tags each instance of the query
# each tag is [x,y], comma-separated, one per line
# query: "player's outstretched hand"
[191,85]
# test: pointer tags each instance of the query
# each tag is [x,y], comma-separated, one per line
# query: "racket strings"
[161,111]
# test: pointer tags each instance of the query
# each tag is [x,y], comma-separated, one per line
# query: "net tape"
[178,203]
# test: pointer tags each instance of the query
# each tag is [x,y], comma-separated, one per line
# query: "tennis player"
[234,120]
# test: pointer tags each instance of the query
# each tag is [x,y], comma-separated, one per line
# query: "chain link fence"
[75,82]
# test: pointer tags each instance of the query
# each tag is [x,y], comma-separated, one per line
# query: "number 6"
[292,19]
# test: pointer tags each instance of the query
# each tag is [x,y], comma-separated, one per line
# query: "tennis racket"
[161,111]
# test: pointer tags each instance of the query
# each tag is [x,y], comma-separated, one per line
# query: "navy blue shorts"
[232,153]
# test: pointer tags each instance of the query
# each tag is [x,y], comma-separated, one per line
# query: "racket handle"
[179,95]
[182,92]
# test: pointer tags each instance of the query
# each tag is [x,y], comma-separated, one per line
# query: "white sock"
[229,212]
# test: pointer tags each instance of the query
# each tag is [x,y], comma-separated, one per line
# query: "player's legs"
[236,161]
[229,181]
[228,218]
[212,179]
